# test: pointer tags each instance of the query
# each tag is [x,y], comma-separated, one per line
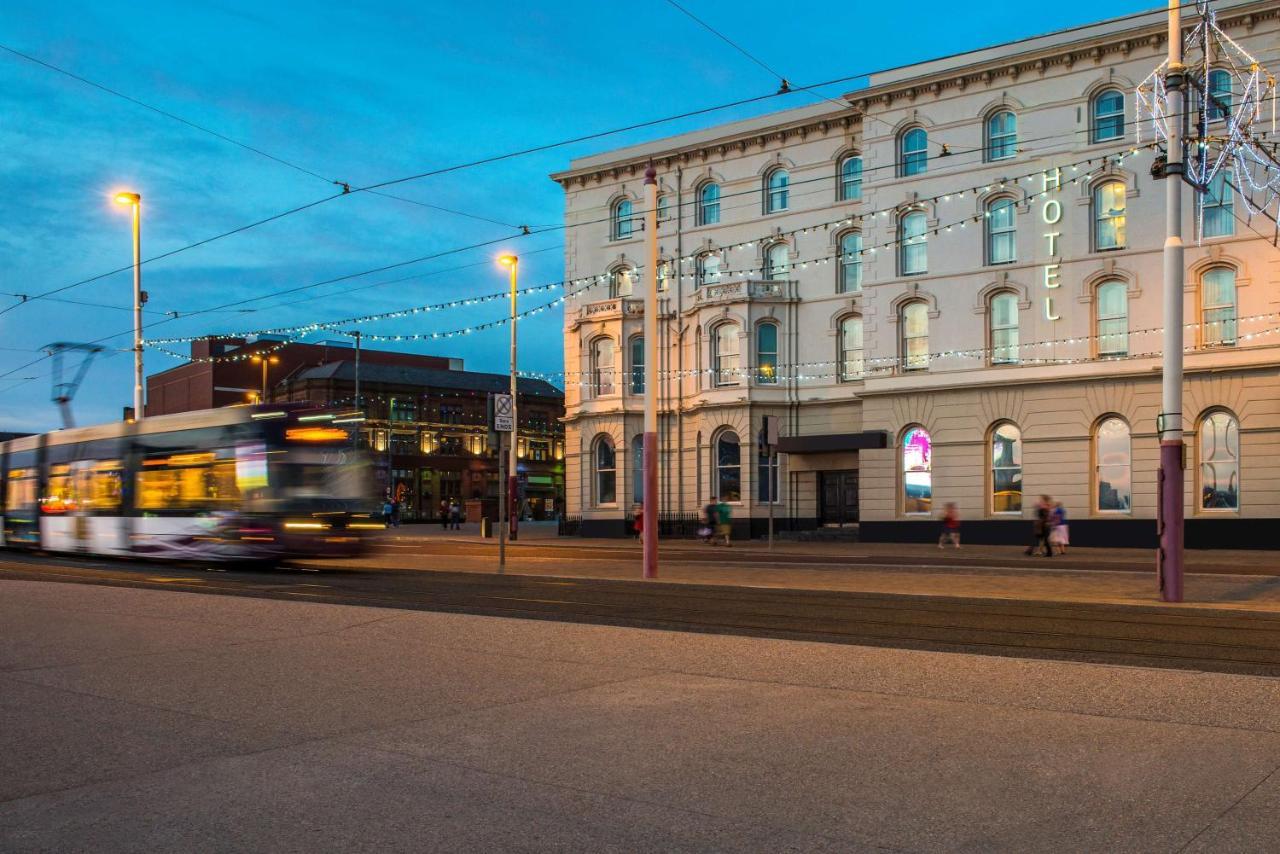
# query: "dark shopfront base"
[682,527]
[1099,533]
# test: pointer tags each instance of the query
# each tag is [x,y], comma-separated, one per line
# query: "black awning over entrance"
[823,444]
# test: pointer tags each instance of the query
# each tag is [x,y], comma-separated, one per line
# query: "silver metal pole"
[512,466]
[138,402]
[502,502]
[649,448]
[1170,523]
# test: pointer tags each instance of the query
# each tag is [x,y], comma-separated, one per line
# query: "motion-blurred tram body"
[239,483]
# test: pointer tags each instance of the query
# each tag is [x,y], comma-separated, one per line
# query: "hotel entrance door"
[839,505]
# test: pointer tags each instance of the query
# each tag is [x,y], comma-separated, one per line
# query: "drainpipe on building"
[1170,511]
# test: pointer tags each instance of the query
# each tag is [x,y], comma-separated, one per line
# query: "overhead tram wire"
[347,190]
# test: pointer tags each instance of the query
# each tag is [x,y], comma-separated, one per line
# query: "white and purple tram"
[239,483]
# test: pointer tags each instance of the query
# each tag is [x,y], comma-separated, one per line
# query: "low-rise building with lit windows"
[948,291]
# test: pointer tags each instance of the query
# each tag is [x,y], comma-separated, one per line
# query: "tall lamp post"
[649,447]
[512,263]
[265,360]
[134,200]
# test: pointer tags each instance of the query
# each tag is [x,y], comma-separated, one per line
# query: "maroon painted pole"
[649,450]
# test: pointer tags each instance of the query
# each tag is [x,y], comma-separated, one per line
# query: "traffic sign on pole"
[504,420]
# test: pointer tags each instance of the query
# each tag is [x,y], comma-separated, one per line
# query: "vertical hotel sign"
[1051,215]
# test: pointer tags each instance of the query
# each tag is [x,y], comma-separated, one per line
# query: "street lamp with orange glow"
[265,360]
[139,297]
[512,263]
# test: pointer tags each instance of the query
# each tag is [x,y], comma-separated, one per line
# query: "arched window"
[664,207]
[913,250]
[767,353]
[1006,469]
[621,282]
[606,471]
[1113,466]
[1108,215]
[726,355]
[637,469]
[766,476]
[602,367]
[776,264]
[915,336]
[852,364]
[1112,308]
[637,364]
[850,265]
[850,179]
[708,268]
[664,275]
[1217,208]
[1219,462]
[775,192]
[913,152]
[1002,231]
[1002,135]
[621,219]
[1003,316]
[1108,115]
[709,204]
[728,467]
[1218,307]
[917,472]
[1220,95]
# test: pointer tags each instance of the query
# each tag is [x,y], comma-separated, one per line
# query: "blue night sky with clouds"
[364,93]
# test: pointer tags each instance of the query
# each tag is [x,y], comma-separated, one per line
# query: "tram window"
[20,490]
[60,490]
[99,486]
[187,481]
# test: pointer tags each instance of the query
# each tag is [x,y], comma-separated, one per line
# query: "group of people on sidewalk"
[450,515]
[1049,528]
[717,522]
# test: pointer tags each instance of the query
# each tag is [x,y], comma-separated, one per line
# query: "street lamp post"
[134,200]
[265,360]
[649,447]
[512,263]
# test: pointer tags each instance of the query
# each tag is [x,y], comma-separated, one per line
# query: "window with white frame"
[709,203]
[767,354]
[1002,135]
[1108,115]
[1003,315]
[776,193]
[851,179]
[849,268]
[917,472]
[913,152]
[1002,231]
[1219,462]
[1006,469]
[622,219]
[602,367]
[851,361]
[1109,216]
[728,462]
[708,268]
[1218,307]
[664,207]
[1112,466]
[637,364]
[913,249]
[776,263]
[1111,300]
[915,336]
[605,463]
[1217,208]
[726,357]
[1220,95]
[621,282]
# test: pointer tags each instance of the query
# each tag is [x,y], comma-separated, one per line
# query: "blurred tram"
[233,484]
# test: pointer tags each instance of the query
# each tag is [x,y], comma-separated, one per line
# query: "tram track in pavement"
[1143,635]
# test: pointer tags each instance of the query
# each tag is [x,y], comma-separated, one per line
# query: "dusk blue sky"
[364,93]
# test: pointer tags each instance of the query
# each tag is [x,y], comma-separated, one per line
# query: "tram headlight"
[306,526]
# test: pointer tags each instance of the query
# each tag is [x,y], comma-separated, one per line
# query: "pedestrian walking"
[455,515]
[637,527]
[710,519]
[724,521]
[1058,537]
[444,514]
[395,513]
[950,526]
[1041,527]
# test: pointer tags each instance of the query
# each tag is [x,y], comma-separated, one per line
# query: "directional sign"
[504,413]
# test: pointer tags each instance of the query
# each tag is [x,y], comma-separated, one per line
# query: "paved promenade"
[148,720]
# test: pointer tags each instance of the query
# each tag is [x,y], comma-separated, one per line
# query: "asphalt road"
[1243,642]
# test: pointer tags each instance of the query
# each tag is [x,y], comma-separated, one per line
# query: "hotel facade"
[948,289]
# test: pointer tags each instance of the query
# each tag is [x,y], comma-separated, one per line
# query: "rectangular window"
[766,354]
[1109,216]
[403,409]
[637,365]
[727,354]
[1217,211]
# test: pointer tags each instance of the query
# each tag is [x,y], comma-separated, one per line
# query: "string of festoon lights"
[576,286]
[972,353]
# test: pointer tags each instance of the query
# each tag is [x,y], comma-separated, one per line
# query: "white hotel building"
[948,291]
